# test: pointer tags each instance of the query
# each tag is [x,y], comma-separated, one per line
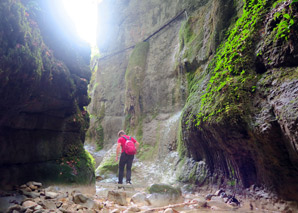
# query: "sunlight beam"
[83,13]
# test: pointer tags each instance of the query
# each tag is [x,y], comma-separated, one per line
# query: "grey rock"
[30,194]
[79,198]
[5,202]
[51,195]
[84,201]
[17,208]
[163,194]
[168,210]
[29,204]
[133,209]
[49,204]
[118,197]
[140,198]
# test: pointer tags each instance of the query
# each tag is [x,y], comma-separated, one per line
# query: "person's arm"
[137,145]
[118,150]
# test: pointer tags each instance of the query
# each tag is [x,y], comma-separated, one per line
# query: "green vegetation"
[189,37]
[75,161]
[134,77]
[181,146]
[108,165]
[232,75]
[164,189]
[285,20]
[99,129]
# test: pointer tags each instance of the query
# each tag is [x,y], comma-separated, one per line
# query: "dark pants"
[125,159]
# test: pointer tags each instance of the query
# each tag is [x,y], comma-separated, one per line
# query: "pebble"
[169,210]
[51,195]
[45,201]
[29,204]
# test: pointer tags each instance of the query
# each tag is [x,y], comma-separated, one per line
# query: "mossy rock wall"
[43,93]
[240,111]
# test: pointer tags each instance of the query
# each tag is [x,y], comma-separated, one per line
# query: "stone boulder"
[84,201]
[140,199]
[163,194]
[118,197]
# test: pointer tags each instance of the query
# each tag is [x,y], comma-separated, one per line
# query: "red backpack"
[129,148]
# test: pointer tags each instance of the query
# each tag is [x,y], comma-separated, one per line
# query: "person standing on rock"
[129,147]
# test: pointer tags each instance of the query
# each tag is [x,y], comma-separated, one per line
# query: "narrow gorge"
[209,88]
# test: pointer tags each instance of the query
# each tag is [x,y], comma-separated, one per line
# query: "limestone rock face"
[226,68]
[143,89]
[245,132]
[43,88]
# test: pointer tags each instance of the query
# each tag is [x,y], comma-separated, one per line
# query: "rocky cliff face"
[229,66]
[43,88]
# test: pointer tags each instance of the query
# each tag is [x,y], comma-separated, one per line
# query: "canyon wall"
[44,75]
[229,68]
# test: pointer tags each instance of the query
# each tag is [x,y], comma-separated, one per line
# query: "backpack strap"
[124,137]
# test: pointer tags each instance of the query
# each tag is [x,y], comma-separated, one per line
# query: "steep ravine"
[229,66]
[44,73]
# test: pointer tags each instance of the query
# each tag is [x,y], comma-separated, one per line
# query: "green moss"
[99,137]
[232,74]
[285,19]
[77,165]
[164,189]
[108,165]
[181,148]
[193,174]
[90,160]
[134,77]
[190,39]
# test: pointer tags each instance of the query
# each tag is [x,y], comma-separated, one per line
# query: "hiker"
[129,147]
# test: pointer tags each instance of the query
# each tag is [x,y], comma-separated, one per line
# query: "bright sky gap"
[84,15]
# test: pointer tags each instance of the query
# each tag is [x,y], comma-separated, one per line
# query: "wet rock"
[133,209]
[51,195]
[163,199]
[33,185]
[209,196]
[40,211]
[38,207]
[79,198]
[85,202]
[232,201]
[118,197]
[7,201]
[23,186]
[163,194]
[29,204]
[98,178]
[169,210]
[15,208]
[219,192]
[140,199]
[49,204]
[199,203]
[30,194]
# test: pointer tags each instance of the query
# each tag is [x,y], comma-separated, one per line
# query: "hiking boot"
[120,186]
[128,182]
